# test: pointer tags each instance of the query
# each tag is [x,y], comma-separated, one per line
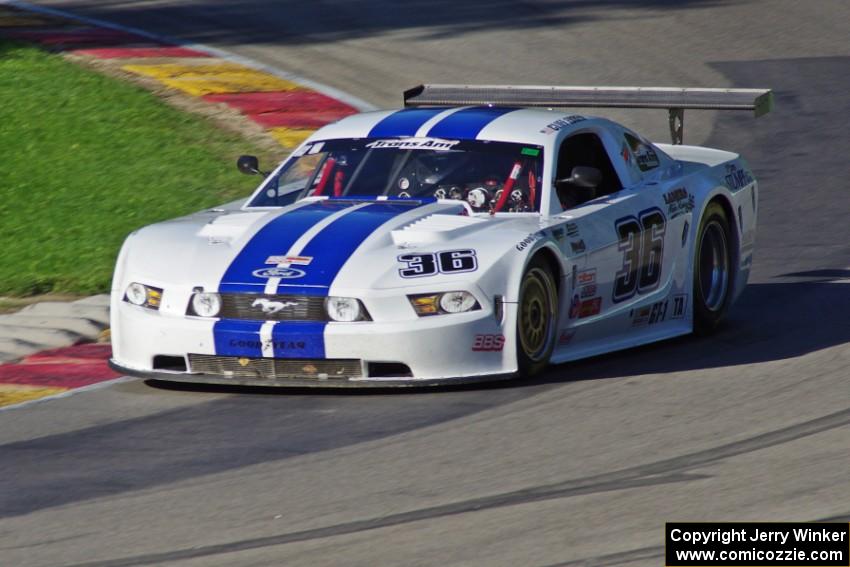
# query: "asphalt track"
[581,467]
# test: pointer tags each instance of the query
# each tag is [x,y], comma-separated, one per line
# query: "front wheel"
[712,270]
[537,318]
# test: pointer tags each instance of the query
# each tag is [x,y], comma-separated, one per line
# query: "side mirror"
[249,165]
[587,177]
[579,187]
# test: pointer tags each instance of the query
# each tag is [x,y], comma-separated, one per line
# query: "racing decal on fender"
[488,343]
[737,178]
[529,240]
[588,291]
[590,307]
[586,277]
[584,308]
[679,202]
[566,336]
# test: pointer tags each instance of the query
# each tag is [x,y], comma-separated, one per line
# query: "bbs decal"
[447,262]
[641,240]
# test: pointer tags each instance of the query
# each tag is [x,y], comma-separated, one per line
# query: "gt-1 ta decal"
[642,244]
[488,343]
[447,262]
[680,301]
[650,315]
[657,312]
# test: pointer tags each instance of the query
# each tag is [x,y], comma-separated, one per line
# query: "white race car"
[465,237]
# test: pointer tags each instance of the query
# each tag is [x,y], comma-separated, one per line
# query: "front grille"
[275,368]
[259,307]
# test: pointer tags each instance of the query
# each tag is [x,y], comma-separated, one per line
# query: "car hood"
[313,245]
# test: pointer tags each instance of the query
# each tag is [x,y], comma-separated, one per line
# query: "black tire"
[713,270]
[537,317]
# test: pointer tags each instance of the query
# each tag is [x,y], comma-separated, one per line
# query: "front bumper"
[437,350]
[194,378]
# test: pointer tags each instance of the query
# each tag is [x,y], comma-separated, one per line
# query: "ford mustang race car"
[476,234]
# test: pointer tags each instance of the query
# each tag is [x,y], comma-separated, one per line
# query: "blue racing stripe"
[334,245]
[403,123]
[238,338]
[276,238]
[299,339]
[466,124]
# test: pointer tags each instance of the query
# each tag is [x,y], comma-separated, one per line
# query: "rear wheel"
[712,270]
[537,317]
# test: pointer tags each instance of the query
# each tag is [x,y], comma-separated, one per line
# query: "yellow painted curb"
[212,78]
[11,394]
[290,137]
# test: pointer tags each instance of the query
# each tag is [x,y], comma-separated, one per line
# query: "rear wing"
[674,99]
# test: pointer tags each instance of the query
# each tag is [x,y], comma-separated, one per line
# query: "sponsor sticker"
[283,273]
[679,202]
[529,240]
[414,144]
[488,343]
[590,307]
[584,308]
[737,177]
[586,277]
[298,260]
[561,123]
[624,152]
[588,291]
[566,336]
[258,344]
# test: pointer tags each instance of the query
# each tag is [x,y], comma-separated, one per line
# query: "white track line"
[332,92]
[66,393]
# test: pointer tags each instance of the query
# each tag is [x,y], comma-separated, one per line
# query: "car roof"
[536,126]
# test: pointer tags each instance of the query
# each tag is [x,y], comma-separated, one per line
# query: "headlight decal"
[443,303]
[143,295]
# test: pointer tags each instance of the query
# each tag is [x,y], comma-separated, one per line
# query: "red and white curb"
[288,106]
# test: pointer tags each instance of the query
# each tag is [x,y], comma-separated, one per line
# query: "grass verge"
[86,159]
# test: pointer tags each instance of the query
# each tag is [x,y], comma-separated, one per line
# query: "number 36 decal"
[448,262]
[642,244]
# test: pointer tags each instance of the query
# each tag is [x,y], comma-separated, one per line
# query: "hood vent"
[436,228]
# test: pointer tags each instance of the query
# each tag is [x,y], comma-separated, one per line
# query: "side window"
[585,149]
[644,155]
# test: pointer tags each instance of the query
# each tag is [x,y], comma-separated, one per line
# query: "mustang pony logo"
[272,307]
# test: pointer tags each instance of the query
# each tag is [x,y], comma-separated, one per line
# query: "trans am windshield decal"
[414,144]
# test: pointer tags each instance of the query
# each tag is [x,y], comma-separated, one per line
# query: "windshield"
[490,176]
